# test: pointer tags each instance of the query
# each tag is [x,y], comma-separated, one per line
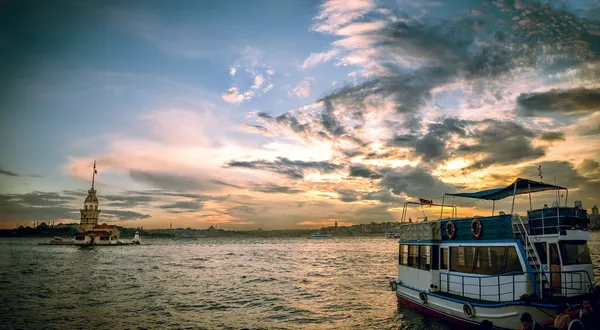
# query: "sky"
[292,114]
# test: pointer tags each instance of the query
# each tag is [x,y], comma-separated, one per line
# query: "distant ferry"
[320,236]
[494,268]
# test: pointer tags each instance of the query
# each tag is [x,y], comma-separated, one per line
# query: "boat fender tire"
[423,297]
[450,229]
[393,285]
[476,228]
[469,310]
[575,325]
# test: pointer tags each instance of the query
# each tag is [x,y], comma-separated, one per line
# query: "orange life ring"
[450,229]
[476,228]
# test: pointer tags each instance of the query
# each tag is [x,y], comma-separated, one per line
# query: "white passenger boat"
[467,270]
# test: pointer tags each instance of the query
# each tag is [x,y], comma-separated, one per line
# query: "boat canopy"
[520,186]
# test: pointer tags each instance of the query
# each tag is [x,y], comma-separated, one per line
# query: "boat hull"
[502,316]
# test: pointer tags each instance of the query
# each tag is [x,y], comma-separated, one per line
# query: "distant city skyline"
[292,114]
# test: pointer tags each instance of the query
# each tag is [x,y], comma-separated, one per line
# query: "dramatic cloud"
[293,169]
[415,182]
[559,101]
[364,172]
[497,142]
[432,144]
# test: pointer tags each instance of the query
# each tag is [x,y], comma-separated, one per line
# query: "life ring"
[423,297]
[476,228]
[469,310]
[575,325]
[450,229]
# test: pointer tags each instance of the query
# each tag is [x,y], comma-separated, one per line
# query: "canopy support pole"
[442,209]
[493,207]
[566,197]
[514,195]
[529,188]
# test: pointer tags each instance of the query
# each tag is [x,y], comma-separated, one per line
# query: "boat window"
[403,257]
[413,256]
[513,264]
[444,258]
[425,257]
[575,252]
[435,255]
[461,259]
[484,260]
[541,251]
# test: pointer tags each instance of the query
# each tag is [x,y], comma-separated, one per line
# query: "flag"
[425,201]
[95,172]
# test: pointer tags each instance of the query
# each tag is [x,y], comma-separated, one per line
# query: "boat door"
[435,269]
[555,268]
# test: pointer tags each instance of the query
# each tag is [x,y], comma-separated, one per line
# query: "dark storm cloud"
[363,171]
[580,187]
[6,172]
[432,145]
[293,169]
[589,165]
[118,215]
[347,195]
[41,199]
[166,193]
[168,181]
[552,136]
[39,206]
[559,101]
[182,207]
[275,189]
[414,182]
[9,173]
[127,201]
[383,196]
[500,142]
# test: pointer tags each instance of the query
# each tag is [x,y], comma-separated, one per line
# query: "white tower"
[90,211]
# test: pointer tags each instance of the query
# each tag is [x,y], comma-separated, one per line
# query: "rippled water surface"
[291,283]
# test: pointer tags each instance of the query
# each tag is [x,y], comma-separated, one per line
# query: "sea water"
[224,283]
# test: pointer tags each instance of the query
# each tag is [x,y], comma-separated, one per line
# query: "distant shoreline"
[359,230]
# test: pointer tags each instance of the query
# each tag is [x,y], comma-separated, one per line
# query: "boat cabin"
[458,264]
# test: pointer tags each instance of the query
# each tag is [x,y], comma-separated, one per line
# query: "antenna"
[540,173]
[94,174]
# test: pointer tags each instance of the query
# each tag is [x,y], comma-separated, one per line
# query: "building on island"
[90,232]
[594,218]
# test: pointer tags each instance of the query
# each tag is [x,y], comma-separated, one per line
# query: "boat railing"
[512,286]
[559,224]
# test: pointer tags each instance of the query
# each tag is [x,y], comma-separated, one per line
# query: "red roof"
[104,226]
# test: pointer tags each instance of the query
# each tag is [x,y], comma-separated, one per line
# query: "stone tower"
[90,211]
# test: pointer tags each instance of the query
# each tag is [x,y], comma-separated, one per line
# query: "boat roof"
[523,186]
